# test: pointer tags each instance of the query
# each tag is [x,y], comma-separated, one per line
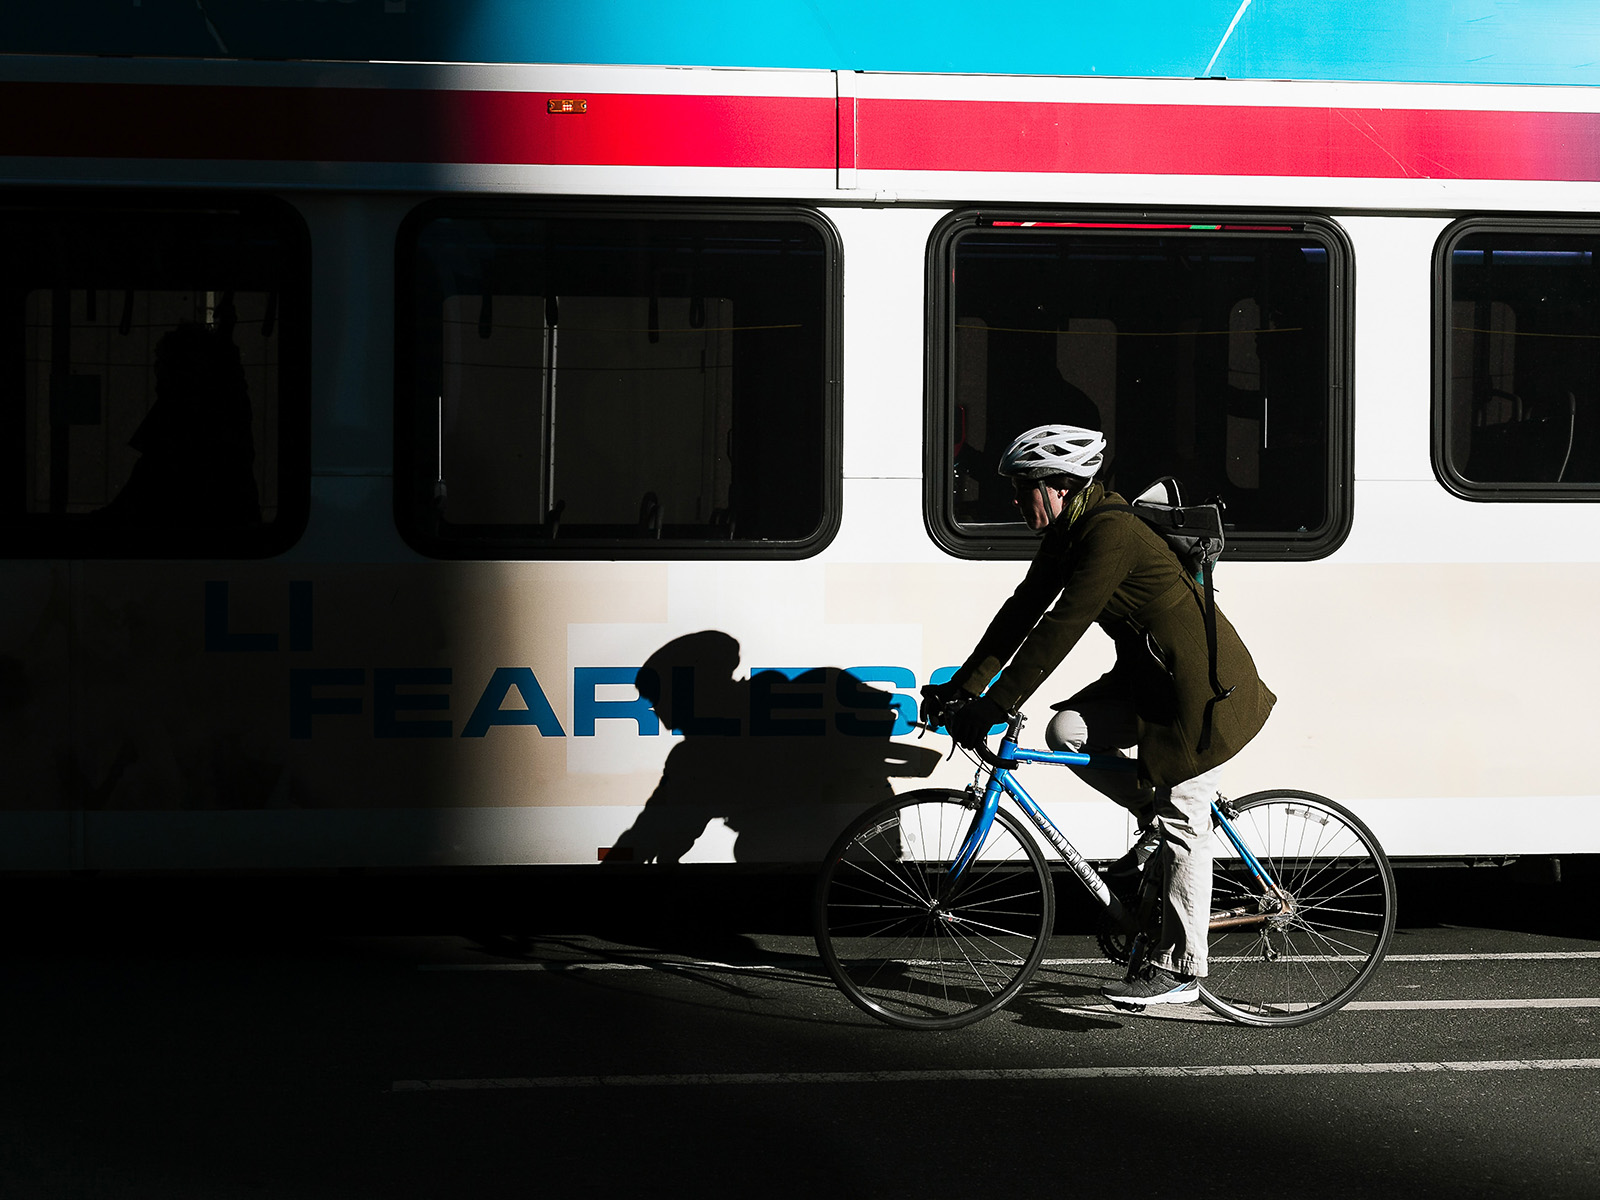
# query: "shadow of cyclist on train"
[783,759]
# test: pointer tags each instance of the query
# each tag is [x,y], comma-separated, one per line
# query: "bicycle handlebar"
[990,758]
[985,755]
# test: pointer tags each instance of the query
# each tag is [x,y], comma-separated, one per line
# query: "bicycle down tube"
[1001,779]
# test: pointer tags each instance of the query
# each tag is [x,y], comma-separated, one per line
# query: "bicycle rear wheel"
[1298,955]
[914,947]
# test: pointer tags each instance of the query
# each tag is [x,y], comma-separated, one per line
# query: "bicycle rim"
[1323,941]
[909,945]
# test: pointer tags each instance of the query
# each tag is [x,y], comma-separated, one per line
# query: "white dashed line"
[600,966]
[1532,956]
[1527,956]
[1420,1005]
[1194,1012]
[1514,956]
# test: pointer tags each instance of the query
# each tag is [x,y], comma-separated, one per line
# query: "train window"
[1517,360]
[604,383]
[154,352]
[1212,352]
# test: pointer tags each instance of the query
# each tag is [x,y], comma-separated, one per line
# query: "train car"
[553,461]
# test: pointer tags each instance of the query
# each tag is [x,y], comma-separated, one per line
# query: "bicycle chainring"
[1115,944]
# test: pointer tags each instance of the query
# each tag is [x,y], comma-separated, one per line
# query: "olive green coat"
[1112,569]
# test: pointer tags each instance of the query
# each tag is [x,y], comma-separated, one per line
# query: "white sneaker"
[1152,985]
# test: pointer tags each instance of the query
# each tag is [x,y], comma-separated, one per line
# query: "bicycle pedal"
[1127,1005]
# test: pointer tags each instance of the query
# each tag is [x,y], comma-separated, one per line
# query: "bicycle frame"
[933,909]
[1003,780]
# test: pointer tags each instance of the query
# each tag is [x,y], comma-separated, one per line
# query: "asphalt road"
[222,1061]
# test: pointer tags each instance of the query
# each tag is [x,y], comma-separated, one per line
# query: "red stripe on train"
[450,127]
[412,126]
[1167,139]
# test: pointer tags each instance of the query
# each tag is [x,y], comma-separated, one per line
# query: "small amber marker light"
[569,106]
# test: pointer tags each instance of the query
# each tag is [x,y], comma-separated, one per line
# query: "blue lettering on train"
[312,693]
[587,708]
[389,703]
[222,638]
[416,701]
[854,692]
[491,708]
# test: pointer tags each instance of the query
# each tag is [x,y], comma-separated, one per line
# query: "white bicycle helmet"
[1052,450]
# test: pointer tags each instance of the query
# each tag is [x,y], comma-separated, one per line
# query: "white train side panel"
[352,703]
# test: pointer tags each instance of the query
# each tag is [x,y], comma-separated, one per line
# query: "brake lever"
[923,727]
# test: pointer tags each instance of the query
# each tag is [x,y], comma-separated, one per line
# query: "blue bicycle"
[933,910]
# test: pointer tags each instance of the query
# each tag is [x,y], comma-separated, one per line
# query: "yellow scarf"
[1075,507]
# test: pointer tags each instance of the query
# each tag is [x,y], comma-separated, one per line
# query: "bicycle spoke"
[1311,957]
[960,946]
[1317,934]
[894,879]
[977,932]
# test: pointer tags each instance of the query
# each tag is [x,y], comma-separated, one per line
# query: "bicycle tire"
[1314,955]
[906,948]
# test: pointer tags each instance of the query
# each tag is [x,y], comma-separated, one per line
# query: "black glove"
[938,699]
[969,725]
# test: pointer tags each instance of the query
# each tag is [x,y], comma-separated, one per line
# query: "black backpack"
[1194,531]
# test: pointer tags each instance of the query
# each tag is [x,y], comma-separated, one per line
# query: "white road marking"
[995,1075]
[1412,1005]
[1199,1014]
[1514,956]
[1530,956]
[600,966]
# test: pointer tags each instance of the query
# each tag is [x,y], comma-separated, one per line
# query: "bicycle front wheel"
[916,946]
[1304,950]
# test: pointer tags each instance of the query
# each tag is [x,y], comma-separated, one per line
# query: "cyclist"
[1109,567]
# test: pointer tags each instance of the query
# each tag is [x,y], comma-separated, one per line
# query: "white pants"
[1106,725]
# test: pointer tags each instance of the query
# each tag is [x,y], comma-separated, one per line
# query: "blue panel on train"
[1468,41]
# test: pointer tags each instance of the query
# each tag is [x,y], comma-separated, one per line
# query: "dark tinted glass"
[154,369]
[1520,405]
[1207,356]
[584,384]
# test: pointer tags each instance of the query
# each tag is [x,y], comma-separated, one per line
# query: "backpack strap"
[1096,511]
[1218,693]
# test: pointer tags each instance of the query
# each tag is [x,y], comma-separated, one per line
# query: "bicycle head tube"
[1008,744]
